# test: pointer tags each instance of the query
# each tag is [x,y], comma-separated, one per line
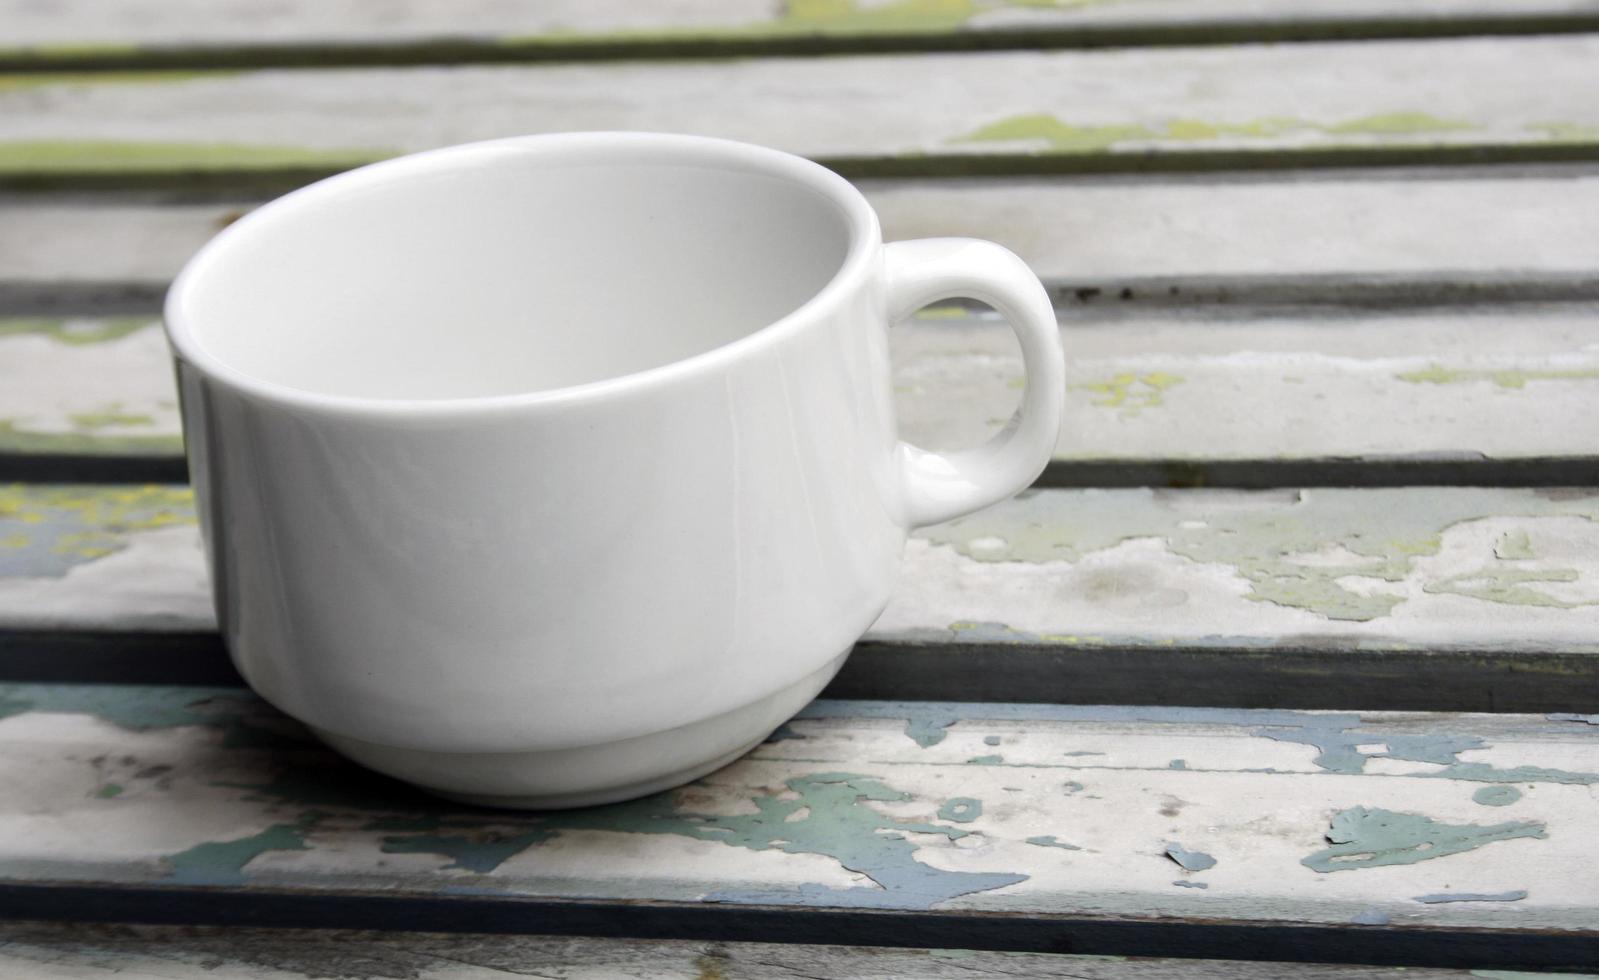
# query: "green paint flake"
[223,862]
[1398,124]
[77,331]
[1511,586]
[1338,737]
[962,809]
[1050,840]
[69,525]
[1513,546]
[108,791]
[1299,551]
[1058,136]
[22,440]
[104,156]
[110,418]
[829,814]
[1131,393]
[928,730]
[1370,838]
[244,720]
[1496,795]
[1189,860]
[1511,378]
[986,760]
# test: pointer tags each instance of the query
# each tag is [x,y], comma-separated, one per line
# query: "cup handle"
[937,487]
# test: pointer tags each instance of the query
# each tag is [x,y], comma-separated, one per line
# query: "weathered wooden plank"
[1411,827]
[1014,111]
[1311,597]
[1347,233]
[74,951]
[1509,383]
[72,34]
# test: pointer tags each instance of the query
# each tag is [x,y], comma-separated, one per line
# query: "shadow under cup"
[549,471]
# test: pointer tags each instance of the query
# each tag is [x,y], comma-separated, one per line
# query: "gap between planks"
[467,51]
[79,951]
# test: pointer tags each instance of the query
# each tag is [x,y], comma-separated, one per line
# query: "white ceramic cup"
[562,469]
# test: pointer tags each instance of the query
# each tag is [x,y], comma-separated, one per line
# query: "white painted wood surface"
[42,951]
[1121,103]
[1500,383]
[1457,569]
[1407,820]
[1068,230]
[78,24]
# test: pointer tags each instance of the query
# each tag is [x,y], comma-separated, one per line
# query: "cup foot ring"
[589,775]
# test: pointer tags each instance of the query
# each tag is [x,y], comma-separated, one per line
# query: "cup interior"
[515,267]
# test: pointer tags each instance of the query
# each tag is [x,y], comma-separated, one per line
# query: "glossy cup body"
[554,441]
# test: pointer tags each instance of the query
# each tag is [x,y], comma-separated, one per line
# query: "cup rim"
[860,218]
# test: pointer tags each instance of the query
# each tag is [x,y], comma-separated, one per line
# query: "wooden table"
[1292,656]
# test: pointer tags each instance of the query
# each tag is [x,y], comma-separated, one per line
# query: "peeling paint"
[829,814]
[1511,586]
[1337,738]
[1513,546]
[962,809]
[223,862]
[991,739]
[1057,136]
[58,527]
[1131,393]
[1496,795]
[1568,716]
[1050,840]
[1514,378]
[1190,860]
[1302,551]
[77,331]
[1191,884]
[1371,917]
[986,760]
[1369,838]
[929,730]
[1446,897]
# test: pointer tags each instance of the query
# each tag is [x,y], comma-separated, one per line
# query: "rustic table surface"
[1292,656]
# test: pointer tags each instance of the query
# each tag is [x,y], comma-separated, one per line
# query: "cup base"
[588,775]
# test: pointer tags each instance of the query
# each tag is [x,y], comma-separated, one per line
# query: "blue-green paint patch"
[1370,838]
[1337,738]
[1191,884]
[246,721]
[1189,860]
[991,739]
[962,809]
[830,814]
[1442,898]
[108,791]
[1177,764]
[986,760]
[1050,840]
[223,862]
[1496,795]
[1568,716]
[1371,917]
[1080,753]
[1071,787]
[928,730]
[45,531]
